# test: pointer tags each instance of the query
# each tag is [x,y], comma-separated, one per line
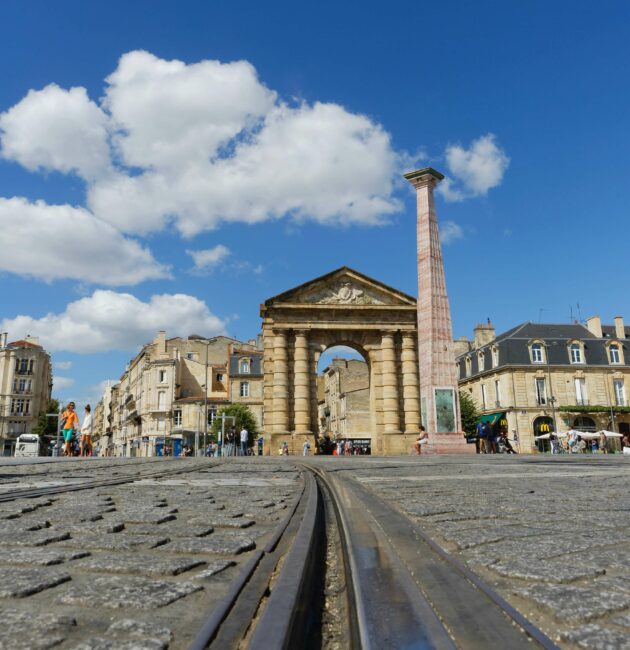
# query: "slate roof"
[513,347]
[255,366]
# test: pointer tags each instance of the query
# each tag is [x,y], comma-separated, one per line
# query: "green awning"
[491,418]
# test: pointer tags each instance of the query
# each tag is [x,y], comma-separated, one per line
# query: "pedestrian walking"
[260,445]
[306,448]
[86,432]
[69,422]
[285,449]
[244,441]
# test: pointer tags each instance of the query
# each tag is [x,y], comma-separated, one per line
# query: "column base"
[447,443]
[294,440]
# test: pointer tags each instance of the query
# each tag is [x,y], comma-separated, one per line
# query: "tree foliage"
[244,418]
[47,426]
[470,413]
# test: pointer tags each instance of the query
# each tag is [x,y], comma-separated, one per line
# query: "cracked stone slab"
[20,630]
[117,593]
[578,604]
[21,525]
[139,563]
[230,522]
[33,538]
[595,637]
[19,583]
[37,555]
[220,543]
[117,542]
[213,569]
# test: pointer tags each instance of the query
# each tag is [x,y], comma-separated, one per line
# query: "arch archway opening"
[344,399]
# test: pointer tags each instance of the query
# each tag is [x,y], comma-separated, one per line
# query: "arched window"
[537,353]
[543,426]
[468,366]
[481,361]
[584,423]
[244,366]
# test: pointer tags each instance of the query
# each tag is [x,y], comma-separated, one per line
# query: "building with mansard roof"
[540,377]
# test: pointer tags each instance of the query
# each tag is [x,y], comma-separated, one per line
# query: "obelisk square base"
[447,443]
[396,444]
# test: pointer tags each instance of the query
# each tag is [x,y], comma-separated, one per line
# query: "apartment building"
[25,387]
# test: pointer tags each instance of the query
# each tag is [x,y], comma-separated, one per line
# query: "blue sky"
[295,154]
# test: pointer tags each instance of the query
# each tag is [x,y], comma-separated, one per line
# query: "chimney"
[160,342]
[594,326]
[35,339]
[620,330]
[461,346]
[3,340]
[484,333]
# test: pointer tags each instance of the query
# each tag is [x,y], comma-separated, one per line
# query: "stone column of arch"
[411,387]
[280,382]
[376,393]
[389,380]
[301,383]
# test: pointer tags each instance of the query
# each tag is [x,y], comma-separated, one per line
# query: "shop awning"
[491,418]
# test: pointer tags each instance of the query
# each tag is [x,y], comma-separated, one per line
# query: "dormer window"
[614,353]
[468,366]
[495,356]
[537,353]
[244,367]
[481,361]
[575,353]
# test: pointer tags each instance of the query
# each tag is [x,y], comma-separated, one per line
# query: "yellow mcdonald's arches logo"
[503,422]
[545,428]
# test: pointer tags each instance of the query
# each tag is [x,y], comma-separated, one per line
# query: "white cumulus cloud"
[450,232]
[50,242]
[108,320]
[474,171]
[56,129]
[63,365]
[62,383]
[208,259]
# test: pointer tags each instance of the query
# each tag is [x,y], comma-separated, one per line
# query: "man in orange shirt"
[70,423]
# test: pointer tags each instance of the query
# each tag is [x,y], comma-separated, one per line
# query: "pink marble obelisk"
[439,397]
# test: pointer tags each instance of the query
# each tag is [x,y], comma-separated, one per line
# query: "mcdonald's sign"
[545,428]
[503,422]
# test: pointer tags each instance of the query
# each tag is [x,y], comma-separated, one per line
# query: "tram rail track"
[402,590]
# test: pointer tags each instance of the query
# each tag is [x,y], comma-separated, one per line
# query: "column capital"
[424,177]
[302,332]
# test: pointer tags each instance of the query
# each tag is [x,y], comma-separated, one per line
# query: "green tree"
[470,413]
[47,426]
[244,418]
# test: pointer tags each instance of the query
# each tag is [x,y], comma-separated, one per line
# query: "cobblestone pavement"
[550,534]
[138,565]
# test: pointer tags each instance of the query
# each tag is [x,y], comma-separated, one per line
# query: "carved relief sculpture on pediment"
[343,293]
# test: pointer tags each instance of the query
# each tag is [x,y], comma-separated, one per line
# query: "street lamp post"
[552,399]
[612,412]
[205,403]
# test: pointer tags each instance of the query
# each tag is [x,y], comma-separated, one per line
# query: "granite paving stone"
[19,582]
[116,541]
[38,555]
[595,637]
[139,630]
[21,630]
[170,529]
[119,592]
[100,643]
[213,569]
[93,527]
[32,538]
[139,563]
[221,543]
[545,570]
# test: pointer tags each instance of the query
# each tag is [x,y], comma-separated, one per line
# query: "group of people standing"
[77,440]
[490,441]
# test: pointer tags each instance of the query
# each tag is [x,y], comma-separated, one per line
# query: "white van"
[27,444]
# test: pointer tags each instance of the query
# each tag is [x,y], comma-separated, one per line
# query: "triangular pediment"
[343,287]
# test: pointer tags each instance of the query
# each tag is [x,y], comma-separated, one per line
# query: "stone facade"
[25,388]
[536,373]
[345,406]
[343,307]
[160,399]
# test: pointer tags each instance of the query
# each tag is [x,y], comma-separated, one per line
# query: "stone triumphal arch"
[343,307]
